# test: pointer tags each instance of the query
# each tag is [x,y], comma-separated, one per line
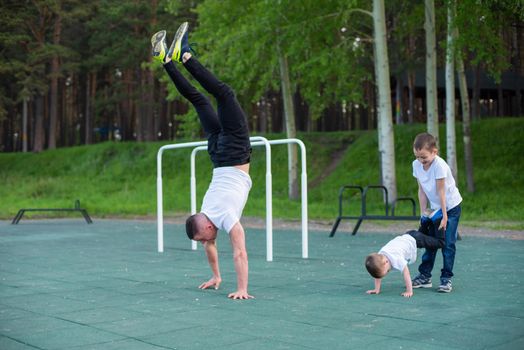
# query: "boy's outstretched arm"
[378,281]
[422,199]
[407,279]
[441,190]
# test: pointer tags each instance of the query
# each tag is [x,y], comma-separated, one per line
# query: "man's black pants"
[226,129]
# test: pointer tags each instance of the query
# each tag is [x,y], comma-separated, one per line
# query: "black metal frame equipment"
[21,212]
[363,208]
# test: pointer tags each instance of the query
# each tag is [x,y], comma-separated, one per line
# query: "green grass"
[119,179]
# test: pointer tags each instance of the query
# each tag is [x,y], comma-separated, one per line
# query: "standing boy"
[229,149]
[436,187]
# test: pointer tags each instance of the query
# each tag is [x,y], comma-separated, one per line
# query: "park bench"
[21,212]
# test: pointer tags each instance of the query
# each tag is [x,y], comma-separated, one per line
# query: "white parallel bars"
[303,182]
[159,193]
[256,141]
[160,207]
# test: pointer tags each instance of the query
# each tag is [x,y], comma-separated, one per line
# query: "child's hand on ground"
[407,294]
[213,282]
[373,291]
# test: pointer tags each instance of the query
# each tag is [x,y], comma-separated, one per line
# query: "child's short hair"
[425,140]
[374,265]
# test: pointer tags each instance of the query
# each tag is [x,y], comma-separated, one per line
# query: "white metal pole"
[303,181]
[269,198]
[269,206]
[193,188]
[160,209]
[159,205]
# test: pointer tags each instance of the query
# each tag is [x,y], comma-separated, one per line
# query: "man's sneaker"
[445,287]
[180,44]
[421,282]
[158,42]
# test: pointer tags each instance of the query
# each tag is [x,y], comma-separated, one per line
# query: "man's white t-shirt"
[400,251]
[438,169]
[226,197]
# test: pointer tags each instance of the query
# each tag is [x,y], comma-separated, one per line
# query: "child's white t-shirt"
[438,169]
[400,251]
[226,197]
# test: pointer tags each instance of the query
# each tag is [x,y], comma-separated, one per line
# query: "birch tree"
[276,46]
[54,76]
[291,130]
[385,123]
[478,23]
[466,120]
[451,145]
[431,69]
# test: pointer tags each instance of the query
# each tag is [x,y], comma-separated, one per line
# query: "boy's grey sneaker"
[421,282]
[445,287]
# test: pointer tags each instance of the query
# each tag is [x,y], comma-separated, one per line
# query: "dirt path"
[346,227]
[380,227]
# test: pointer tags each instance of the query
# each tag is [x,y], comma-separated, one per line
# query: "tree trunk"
[518,93]
[39,124]
[399,118]
[150,115]
[139,126]
[24,124]
[128,116]
[53,100]
[384,123]
[90,93]
[475,110]
[291,131]
[67,119]
[431,69]
[466,125]
[411,103]
[451,149]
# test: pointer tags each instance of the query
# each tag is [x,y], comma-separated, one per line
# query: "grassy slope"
[120,178]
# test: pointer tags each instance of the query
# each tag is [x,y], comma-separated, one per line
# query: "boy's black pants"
[429,242]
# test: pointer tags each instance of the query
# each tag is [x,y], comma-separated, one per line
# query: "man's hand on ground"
[240,295]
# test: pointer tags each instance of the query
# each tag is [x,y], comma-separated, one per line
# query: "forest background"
[76,73]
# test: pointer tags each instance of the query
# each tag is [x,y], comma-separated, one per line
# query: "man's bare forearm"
[240,258]
[212,257]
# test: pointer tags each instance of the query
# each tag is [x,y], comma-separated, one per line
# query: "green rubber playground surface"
[68,285]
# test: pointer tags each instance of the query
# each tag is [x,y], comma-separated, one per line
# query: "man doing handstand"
[229,149]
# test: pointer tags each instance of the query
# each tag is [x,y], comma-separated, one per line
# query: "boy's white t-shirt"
[400,251]
[438,169]
[226,197]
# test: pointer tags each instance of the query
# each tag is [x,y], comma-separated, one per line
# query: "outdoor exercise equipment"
[255,141]
[363,208]
[84,213]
